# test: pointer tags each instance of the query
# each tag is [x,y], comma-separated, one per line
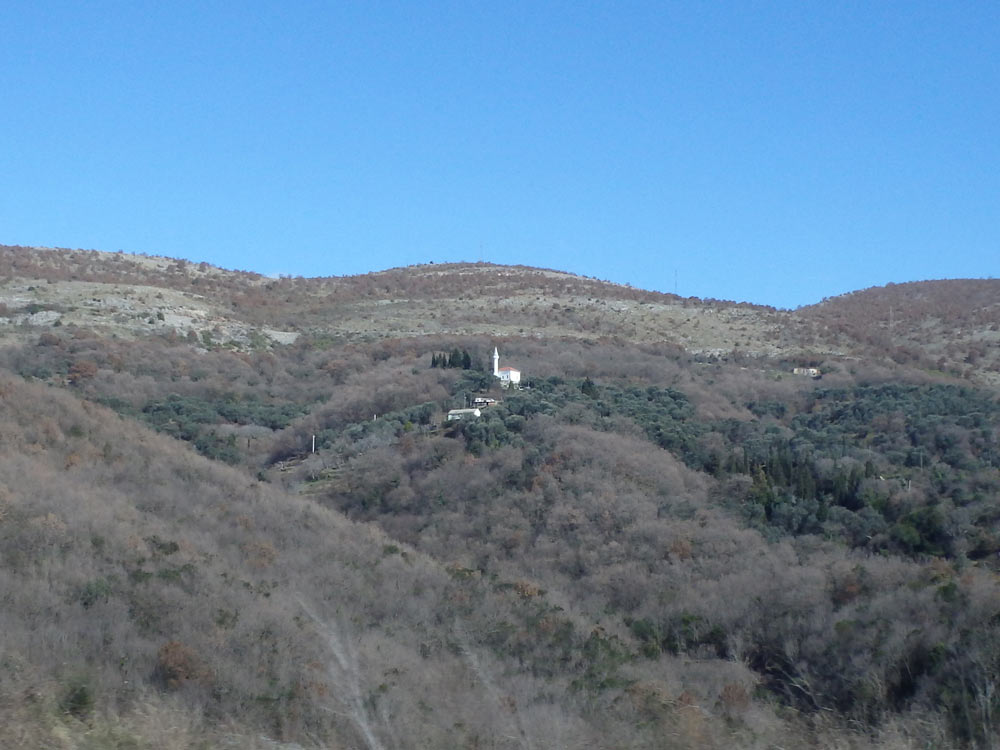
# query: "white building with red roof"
[507,375]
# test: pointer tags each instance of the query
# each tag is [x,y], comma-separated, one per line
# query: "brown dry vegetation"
[654,545]
[951,325]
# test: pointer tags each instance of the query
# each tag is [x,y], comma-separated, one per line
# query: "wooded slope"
[652,544]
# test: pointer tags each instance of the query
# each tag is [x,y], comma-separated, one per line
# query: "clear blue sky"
[773,152]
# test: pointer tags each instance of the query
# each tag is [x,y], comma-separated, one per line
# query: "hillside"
[955,324]
[132,295]
[145,587]
[664,539]
[942,325]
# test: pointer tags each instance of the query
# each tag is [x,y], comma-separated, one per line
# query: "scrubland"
[654,544]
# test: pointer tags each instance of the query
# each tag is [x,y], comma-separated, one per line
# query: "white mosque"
[508,375]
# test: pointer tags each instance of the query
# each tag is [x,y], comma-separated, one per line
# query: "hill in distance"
[664,539]
[948,324]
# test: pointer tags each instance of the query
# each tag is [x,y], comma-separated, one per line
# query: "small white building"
[481,402]
[812,372]
[460,415]
[507,375]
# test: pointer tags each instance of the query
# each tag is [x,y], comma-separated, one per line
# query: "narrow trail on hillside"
[344,671]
